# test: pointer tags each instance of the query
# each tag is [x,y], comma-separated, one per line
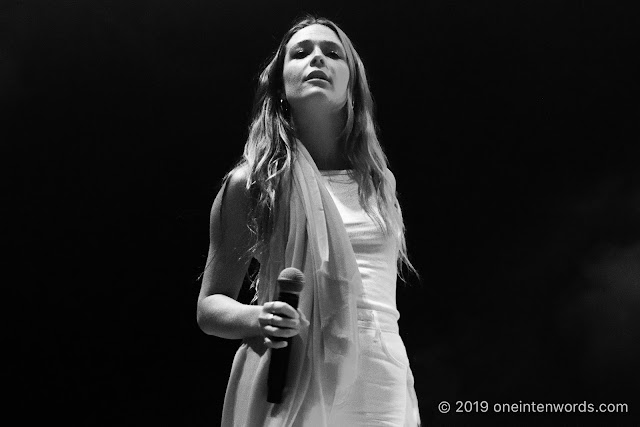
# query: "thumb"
[303,318]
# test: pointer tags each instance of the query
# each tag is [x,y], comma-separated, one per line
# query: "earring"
[284,106]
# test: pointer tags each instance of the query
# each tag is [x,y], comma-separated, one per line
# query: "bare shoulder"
[230,210]
[233,198]
[237,182]
[391,178]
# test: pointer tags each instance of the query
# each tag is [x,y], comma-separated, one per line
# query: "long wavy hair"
[270,149]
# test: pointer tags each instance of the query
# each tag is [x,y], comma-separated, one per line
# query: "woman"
[312,192]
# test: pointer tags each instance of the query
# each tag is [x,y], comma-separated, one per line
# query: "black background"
[512,129]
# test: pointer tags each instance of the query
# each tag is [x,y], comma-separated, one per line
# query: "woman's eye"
[333,54]
[299,54]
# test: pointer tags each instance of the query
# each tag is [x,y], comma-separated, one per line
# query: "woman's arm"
[218,312]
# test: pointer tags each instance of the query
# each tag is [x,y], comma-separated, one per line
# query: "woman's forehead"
[314,32]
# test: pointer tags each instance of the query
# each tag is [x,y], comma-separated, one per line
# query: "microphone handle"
[279,363]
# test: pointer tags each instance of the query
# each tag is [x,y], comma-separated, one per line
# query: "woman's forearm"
[225,317]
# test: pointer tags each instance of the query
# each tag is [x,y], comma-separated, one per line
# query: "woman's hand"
[279,320]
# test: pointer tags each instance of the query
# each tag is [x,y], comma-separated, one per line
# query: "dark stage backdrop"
[512,129]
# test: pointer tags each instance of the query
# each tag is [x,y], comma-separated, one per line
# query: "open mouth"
[317,75]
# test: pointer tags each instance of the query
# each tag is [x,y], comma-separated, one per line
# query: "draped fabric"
[324,355]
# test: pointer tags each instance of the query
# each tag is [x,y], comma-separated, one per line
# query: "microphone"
[290,283]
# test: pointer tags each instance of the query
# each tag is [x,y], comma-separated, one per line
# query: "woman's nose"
[317,57]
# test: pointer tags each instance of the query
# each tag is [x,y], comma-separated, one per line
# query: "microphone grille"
[291,280]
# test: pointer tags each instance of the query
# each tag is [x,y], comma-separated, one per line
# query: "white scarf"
[324,356]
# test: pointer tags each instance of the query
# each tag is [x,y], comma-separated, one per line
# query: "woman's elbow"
[205,317]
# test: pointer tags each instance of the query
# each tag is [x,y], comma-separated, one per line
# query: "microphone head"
[291,280]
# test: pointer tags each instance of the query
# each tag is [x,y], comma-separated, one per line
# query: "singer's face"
[315,69]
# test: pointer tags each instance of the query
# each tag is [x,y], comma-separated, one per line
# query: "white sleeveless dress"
[348,365]
[383,394]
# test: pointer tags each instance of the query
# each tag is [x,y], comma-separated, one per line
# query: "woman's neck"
[320,134]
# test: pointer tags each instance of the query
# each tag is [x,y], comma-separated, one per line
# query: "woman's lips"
[317,75]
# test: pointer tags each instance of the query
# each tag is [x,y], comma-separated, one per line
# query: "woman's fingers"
[275,331]
[281,314]
[279,320]
[281,308]
[274,344]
